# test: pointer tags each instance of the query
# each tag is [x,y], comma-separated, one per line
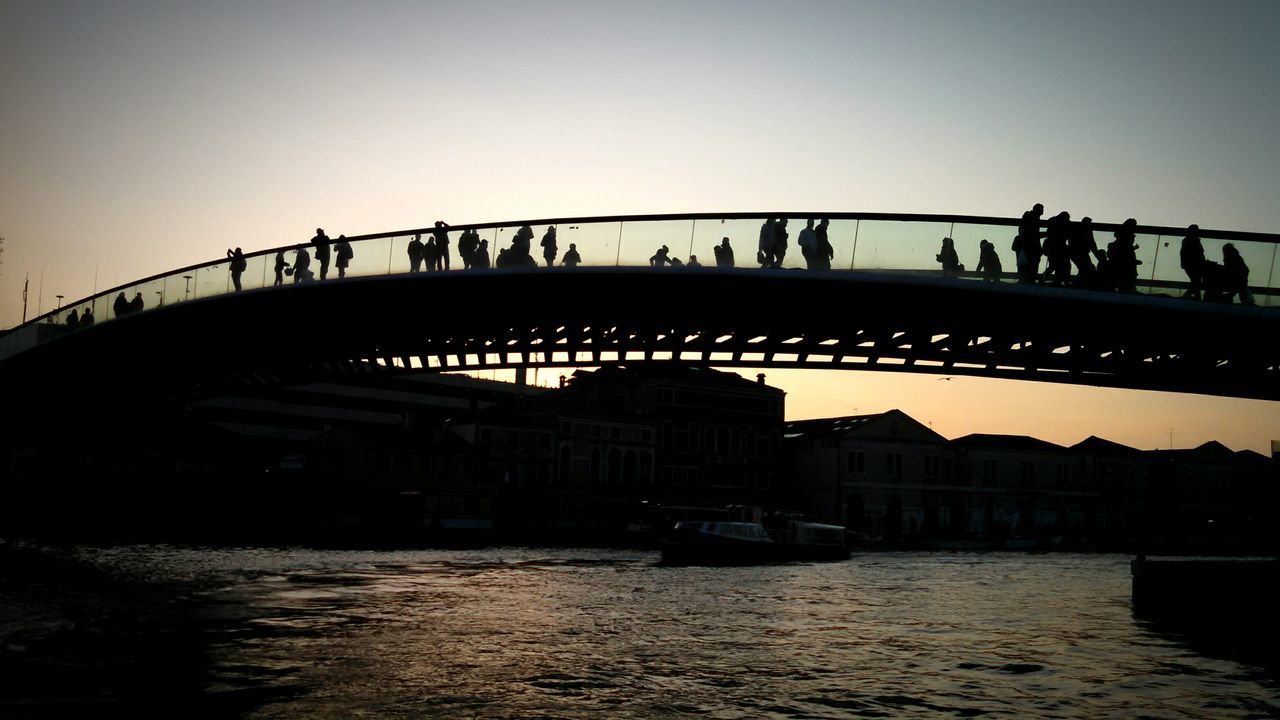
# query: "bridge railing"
[860,241]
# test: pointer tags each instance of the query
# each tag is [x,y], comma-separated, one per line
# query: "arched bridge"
[883,304]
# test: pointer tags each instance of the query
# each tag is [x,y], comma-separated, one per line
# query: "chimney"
[562,381]
[760,378]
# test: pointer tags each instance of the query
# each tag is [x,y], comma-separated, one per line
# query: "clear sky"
[136,137]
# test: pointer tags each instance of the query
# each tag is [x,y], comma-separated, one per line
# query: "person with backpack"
[238,265]
[343,250]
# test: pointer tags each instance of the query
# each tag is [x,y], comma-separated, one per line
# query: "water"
[504,633]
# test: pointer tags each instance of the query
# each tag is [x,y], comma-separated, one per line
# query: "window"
[1026,473]
[615,433]
[665,440]
[932,467]
[1063,476]
[667,396]
[989,472]
[694,436]
[615,467]
[856,463]
[597,431]
[736,440]
[566,427]
[893,465]
[752,447]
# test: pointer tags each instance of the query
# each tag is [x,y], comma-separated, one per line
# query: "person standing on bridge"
[571,258]
[660,258]
[416,252]
[823,252]
[121,305]
[1191,255]
[481,259]
[281,264]
[1235,275]
[951,266]
[301,265]
[808,242]
[724,254]
[988,261]
[442,245]
[1058,271]
[779,242]
[86,317]
[238,265]
[1122,259]
[321,244]
[549,249]
[1083,248]
[764,253]
[135,305]
[468,243]
[343,251]
[1027,244]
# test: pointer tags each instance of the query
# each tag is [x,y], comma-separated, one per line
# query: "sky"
[137,137]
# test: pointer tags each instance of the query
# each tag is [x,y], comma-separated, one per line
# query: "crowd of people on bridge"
[1068,244]
[1070,254]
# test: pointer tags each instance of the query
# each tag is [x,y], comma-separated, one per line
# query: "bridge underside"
[590,317]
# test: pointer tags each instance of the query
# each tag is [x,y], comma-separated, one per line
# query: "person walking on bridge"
[321,244]
[1083,249]
[1191,255]
[302,265]
[724,254]
[1058,271]
[549,249]
[343,251]
[988,261]
[1027,244]
[281,264]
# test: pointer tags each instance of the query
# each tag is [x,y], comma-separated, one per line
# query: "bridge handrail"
[1244,236]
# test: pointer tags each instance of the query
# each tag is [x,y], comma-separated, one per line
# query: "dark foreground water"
[505,633]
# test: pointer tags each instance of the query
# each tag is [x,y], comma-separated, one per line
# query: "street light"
[59,302]
[187,293]
[161,294]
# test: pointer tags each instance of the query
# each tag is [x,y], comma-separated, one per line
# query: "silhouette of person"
[302,265]
[724,254]
[431,254]
[442,245]
[343,250]
[1122,259]
[988,261]
[823,252]
[121,305]
[481,259]
[549,249]
[764,254]
[808,242]
[1235,275]
[693,261]
[281,264]
[135,305]
[238,265]
[1082,248]
[675,262]
[1026,245]
[1058,270]
[951,266]
[321,244]
[86,317]
[1191,255]
[468,243]
[73,318]
[571,258]
[416,253]
[518,255]
[660,258]
[779,242]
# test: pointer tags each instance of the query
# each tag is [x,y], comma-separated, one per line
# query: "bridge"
[883,304]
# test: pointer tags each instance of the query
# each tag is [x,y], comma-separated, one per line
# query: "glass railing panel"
[888,245]
[212,280]
[708,235]
[368,257]
[968,242]
[113,302]
[1258,257]
[597,243]
[486,249]
[152,294]
[643,239]
[254,275]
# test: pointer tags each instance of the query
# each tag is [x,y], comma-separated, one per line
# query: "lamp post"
[161,294]
[59,303]
[186,295]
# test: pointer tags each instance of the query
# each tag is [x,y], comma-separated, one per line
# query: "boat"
[715,542]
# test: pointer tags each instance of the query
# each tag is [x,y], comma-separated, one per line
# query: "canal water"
[555,633]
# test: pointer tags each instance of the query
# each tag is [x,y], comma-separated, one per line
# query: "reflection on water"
[586,633]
